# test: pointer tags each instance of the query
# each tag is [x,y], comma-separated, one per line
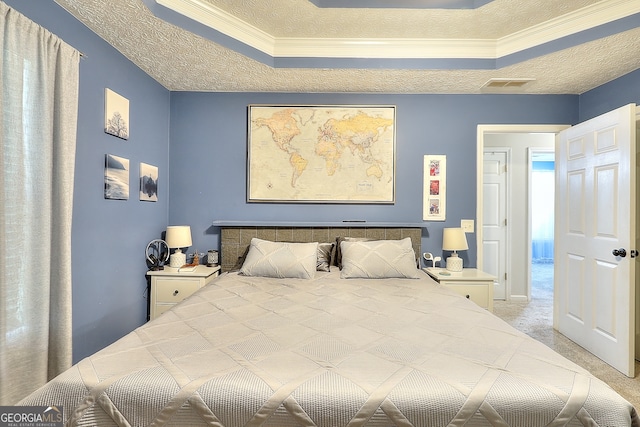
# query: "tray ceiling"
[558,47]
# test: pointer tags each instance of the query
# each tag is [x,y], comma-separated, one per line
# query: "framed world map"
[325,153]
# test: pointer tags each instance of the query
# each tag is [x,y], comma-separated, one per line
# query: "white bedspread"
[331,352]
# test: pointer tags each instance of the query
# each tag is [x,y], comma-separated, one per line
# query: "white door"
[494,217]
[595,221]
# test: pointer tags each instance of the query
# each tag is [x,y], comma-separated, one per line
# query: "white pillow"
[378,259]
[280,259]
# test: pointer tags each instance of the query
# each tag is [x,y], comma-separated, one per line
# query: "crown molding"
[385,48]
[404,4]
[583,19]
[563,26]
[223,22]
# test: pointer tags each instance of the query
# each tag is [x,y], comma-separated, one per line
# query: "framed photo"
[116,114]
[435,188]
[148,183]
[316,154]
[116,177]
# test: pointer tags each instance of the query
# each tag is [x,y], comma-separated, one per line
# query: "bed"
[373,343]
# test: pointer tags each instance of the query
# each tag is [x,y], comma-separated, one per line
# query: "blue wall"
[109,236]
[202,170]
[617,93]
[209,147]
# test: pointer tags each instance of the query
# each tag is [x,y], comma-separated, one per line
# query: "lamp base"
[177,259]
[454,263]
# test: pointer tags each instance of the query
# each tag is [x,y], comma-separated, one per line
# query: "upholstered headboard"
[235,240]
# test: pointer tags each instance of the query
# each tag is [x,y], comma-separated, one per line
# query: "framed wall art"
[116,114]
[148,183]
[435,188]
[116,177]
[325,153]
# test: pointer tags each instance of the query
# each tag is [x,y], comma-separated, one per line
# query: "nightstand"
[170,286]
[470,282]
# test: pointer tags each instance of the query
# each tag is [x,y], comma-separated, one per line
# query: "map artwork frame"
[321,154]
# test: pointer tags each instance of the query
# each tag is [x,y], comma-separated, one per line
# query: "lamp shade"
[178,236]
[453,239]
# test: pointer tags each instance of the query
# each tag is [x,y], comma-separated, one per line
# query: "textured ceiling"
[183,61]
[301,18]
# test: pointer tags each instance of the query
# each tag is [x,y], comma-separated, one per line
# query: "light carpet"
[535,318]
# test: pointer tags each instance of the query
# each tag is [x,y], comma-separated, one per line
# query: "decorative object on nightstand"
[157,254]
[212,258]
[454,239]
[428,256]
[178,237]
[195,261]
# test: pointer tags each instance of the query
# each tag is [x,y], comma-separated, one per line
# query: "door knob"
[619,252]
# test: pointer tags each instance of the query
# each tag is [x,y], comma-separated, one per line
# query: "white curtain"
[38,118]
[542,215]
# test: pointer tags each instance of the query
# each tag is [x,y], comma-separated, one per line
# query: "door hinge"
[505,222]
[505,276]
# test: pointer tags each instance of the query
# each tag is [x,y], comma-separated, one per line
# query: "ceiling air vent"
[506,84]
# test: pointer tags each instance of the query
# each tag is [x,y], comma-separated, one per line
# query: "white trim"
[588,17]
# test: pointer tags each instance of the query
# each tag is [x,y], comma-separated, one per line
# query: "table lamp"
[178,237]
[454,239]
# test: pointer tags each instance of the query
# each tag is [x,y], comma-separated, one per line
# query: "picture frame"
[434,188]
[116,114]
[321,154]
[148,183]
[116,177]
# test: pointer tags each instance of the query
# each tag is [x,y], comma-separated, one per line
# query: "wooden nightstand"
[170,286]
[470,282]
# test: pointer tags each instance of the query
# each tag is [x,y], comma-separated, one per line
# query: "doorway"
[521,139]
